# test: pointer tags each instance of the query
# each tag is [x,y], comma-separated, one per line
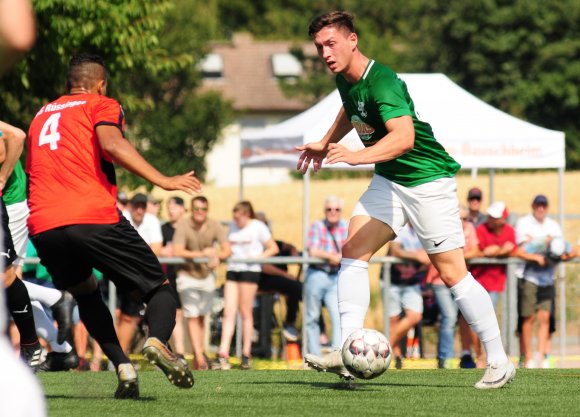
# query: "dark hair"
[199,198]
[339,18]
[177,200]
[84,69]
[246,207]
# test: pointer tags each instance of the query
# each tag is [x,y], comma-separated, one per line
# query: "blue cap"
[540,199]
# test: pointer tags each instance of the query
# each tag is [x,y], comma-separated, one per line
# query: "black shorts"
[8,253]
[70,253]
[243,276]
[125,302]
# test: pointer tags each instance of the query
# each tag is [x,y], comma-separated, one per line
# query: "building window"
[212,66]
[286,65]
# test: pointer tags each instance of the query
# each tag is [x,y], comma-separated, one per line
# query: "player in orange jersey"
[75,225]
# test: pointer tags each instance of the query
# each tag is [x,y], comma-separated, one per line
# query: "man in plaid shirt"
[325,240]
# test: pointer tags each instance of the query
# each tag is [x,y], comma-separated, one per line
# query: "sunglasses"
[199,209]
[333,209]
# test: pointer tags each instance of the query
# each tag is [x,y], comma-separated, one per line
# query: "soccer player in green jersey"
[413,182]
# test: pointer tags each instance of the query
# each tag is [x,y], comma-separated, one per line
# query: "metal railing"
[509,310]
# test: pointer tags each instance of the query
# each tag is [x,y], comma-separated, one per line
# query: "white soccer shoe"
[331,362]
[496,376]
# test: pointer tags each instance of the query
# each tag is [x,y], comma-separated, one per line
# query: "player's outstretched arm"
[400,139]
[315,152]
[124,154]
[13,139]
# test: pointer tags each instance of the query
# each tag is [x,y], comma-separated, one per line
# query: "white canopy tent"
[476,134]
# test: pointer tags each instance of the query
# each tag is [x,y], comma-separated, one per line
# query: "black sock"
[161,306]
[99,323]
[18,302]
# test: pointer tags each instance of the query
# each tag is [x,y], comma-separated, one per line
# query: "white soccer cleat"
[496,376]
[331,362]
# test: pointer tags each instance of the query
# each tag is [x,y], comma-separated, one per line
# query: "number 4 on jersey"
[49,133]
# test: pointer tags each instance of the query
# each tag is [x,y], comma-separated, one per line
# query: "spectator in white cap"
[536,291]
[496,240]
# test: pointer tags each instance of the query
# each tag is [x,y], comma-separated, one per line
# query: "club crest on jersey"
[364,130]
[361,108]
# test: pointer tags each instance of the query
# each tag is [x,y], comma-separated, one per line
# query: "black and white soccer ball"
[366,353]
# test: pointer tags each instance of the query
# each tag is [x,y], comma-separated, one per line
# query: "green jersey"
[15,189]
[379,96]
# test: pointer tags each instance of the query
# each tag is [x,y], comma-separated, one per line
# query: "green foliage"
[151,50]
[521,56]
[123,32]
[183,125]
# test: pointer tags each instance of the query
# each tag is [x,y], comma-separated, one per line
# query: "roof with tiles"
[248,79]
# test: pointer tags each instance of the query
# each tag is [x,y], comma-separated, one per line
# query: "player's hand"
[339,153]
[313,152]
[186,182]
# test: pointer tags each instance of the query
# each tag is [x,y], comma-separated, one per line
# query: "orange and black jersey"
[71,179]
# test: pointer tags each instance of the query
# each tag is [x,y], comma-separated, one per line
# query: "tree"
[150,73]
[520,56]
[185,123]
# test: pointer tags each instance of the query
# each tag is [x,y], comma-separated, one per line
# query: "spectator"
[474,197]
[325,240]
[175,212]
[536,289]
[196,236]
[445,301]
[149,228]
[122,201]
[153,205]
[275,277]
[405,296]
[497,239]
[249,238]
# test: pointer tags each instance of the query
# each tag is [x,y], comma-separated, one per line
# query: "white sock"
[354,295]
[47,296]
[477,309]
[45,329]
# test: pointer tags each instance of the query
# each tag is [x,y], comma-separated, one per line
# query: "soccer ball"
[366,354]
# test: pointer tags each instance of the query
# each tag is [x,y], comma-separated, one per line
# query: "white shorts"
[196,295]
[17,216]
[405,297]
[432,208]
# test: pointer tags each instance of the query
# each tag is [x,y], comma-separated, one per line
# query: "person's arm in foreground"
[17,34]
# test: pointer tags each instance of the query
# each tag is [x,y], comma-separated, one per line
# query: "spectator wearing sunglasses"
[325,240]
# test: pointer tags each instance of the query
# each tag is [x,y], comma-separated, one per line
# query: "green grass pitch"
[551,392]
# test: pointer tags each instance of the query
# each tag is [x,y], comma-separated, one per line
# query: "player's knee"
[84,288]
